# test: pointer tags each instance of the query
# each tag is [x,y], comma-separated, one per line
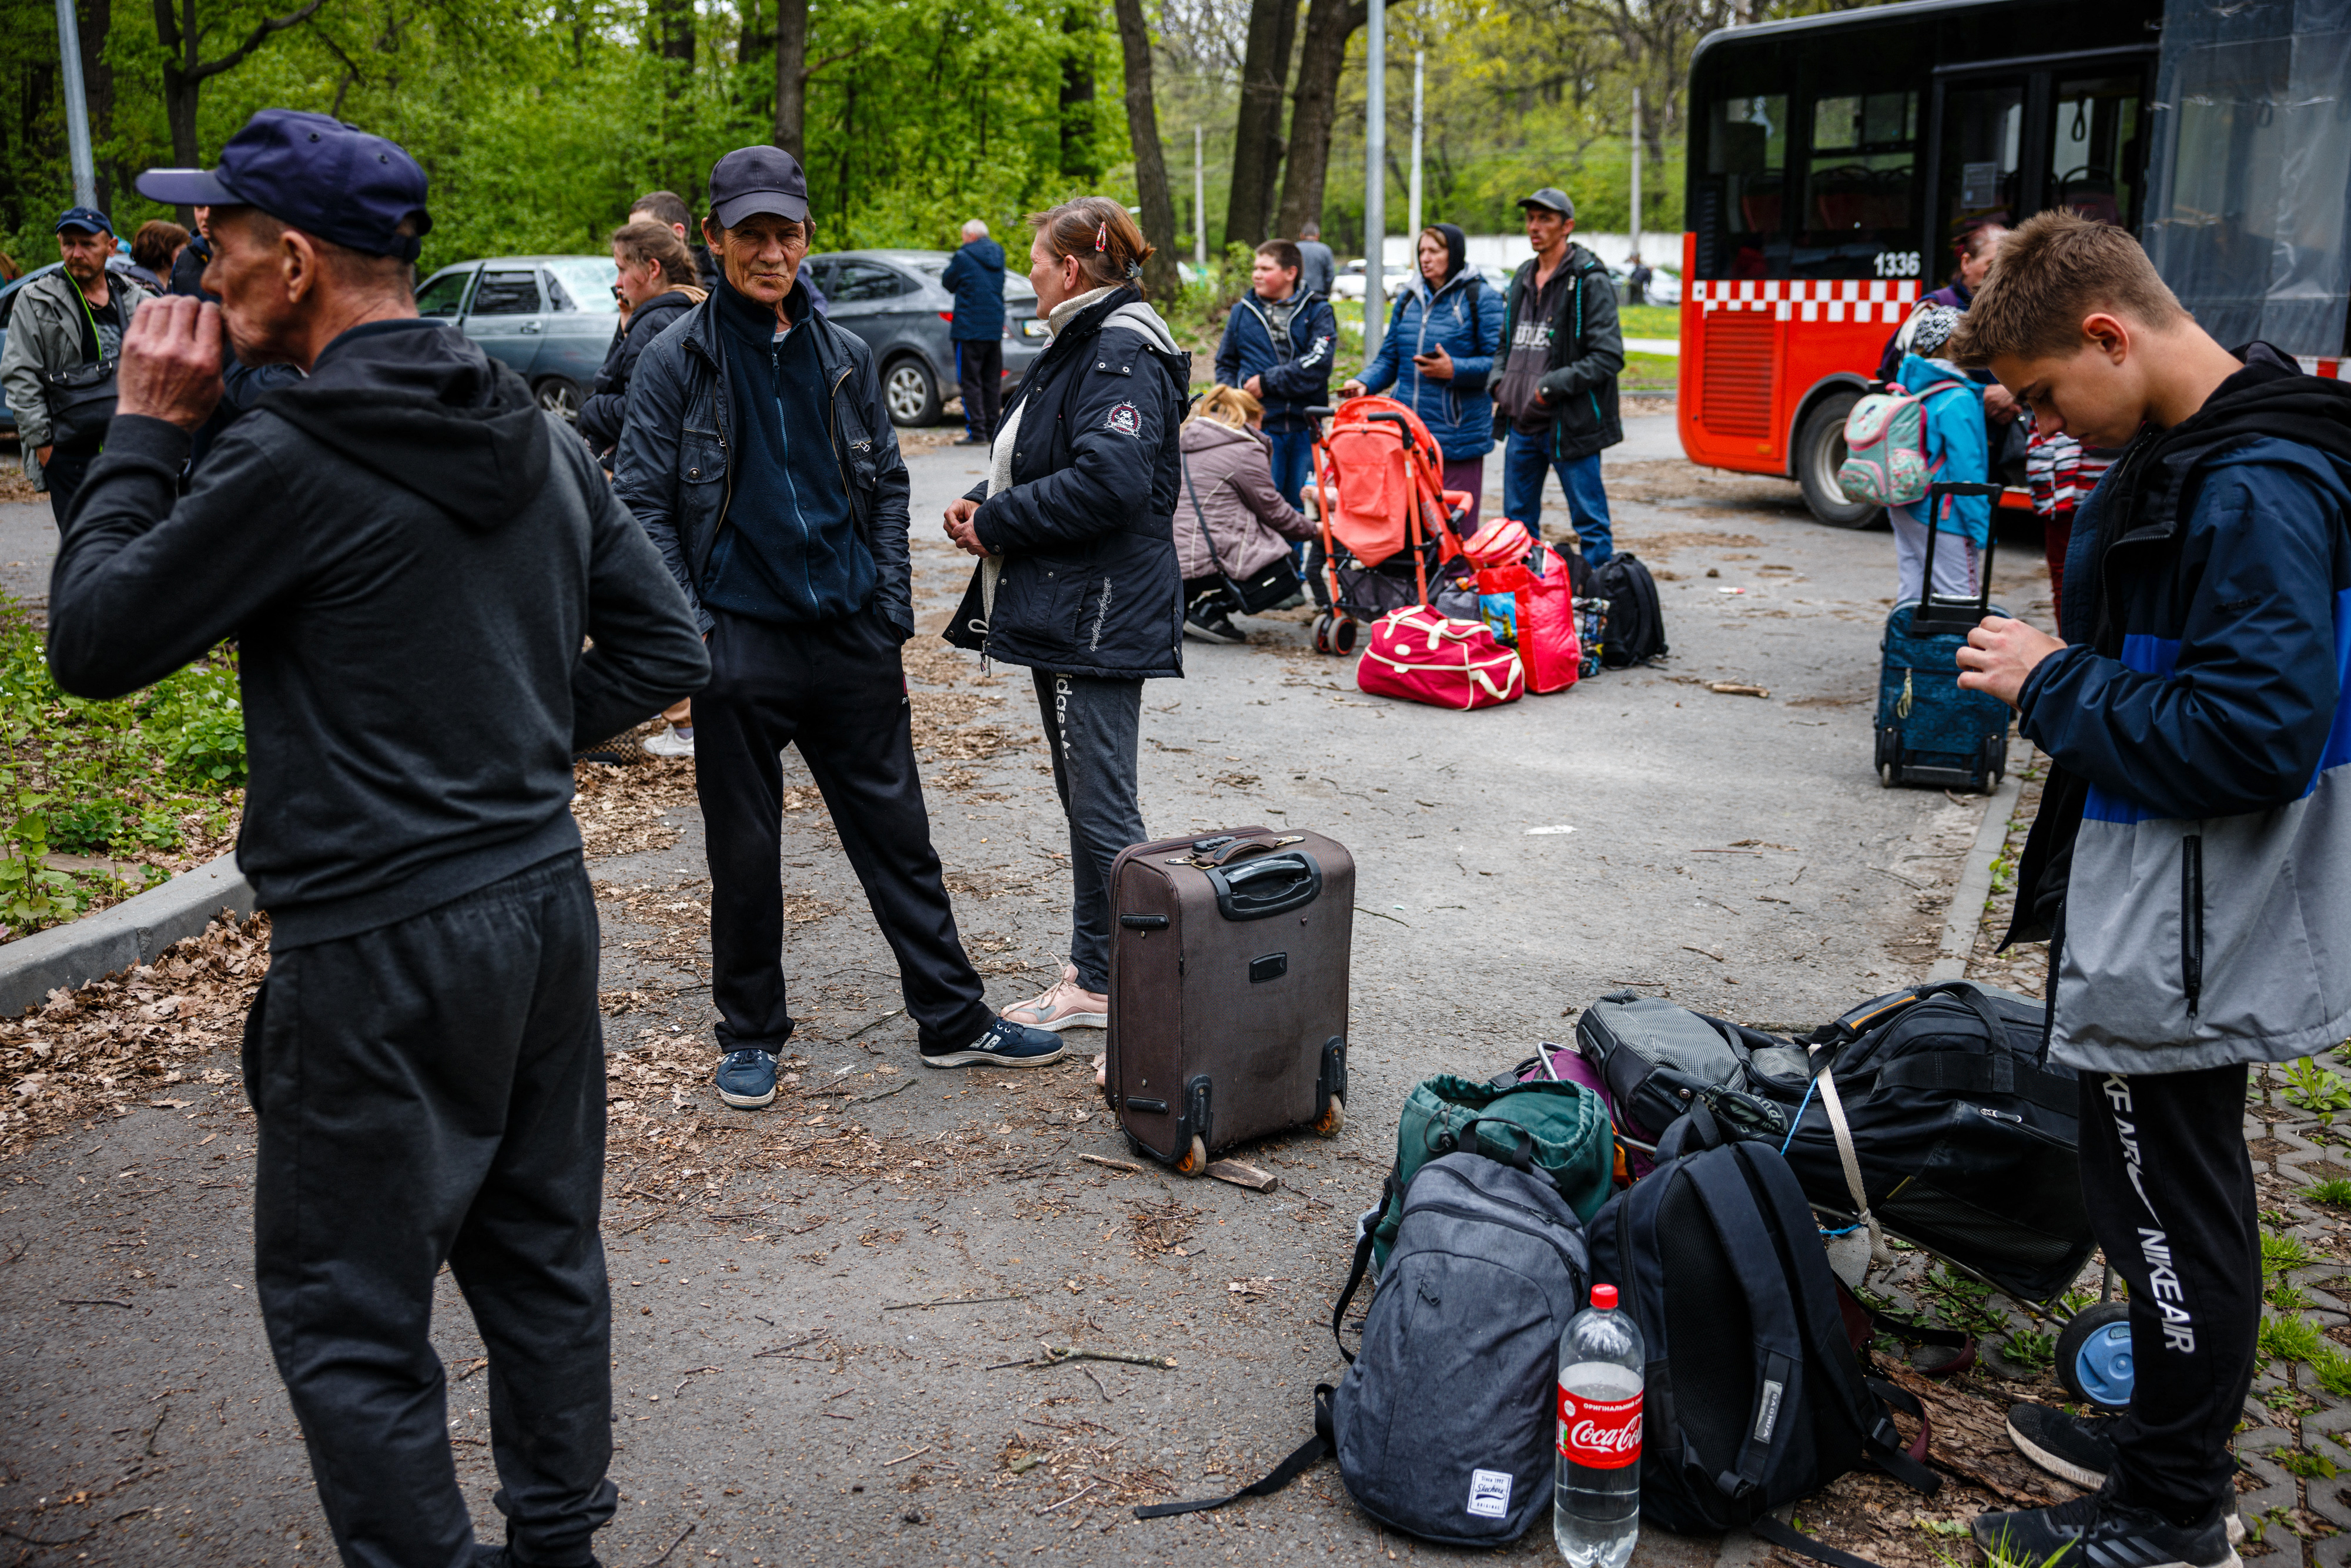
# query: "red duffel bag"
[1419,656]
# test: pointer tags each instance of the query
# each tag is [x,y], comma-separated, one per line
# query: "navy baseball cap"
[88,220]
[757,180]
[316,174]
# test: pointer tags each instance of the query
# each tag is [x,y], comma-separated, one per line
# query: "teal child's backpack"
[1886,447]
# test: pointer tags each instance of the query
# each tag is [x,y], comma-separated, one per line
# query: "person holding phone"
[1438,355]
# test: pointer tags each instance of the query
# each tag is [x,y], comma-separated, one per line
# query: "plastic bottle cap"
[1603,1297]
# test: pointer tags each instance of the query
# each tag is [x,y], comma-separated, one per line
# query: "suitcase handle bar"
[1272,885]
[1935,616]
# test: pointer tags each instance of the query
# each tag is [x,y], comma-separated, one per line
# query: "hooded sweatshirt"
[410,562]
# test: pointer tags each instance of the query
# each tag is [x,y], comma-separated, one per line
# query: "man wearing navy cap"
[68,321]
[759,455]
[410,555]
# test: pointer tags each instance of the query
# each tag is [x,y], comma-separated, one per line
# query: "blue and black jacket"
[2193,851]
[1464,318]
[1295,363]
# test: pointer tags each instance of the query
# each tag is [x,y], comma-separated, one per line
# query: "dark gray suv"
[550,317]
[892,300]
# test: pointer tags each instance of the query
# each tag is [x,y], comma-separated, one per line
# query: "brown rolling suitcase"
[1228,990]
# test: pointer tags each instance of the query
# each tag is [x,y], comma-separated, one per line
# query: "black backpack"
[1443,1424]
[1636,622]
[1963,1142]
[1755,1396]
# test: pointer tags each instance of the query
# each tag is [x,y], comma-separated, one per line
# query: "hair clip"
[1133,268]
[1101,236]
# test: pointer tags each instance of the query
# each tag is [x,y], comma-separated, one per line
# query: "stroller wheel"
[1323,634]
[1343,634]
[2094,1356]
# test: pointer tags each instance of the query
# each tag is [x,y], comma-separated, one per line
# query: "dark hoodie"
[409,565]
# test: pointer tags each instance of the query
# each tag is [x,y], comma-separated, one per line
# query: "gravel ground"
[813,1303]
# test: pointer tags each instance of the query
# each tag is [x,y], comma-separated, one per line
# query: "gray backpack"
[1443,1424]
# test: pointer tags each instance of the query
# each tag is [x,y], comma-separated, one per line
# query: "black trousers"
[979,366]
[838,689]
[63,474]
[432,1091]
[2170,1190]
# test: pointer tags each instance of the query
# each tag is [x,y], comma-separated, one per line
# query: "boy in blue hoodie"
[1959,452]
[2193,843]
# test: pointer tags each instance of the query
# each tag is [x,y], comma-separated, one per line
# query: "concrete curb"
[131,933]
[1965,912]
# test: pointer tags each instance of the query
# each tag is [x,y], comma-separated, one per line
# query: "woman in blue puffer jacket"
[1438,353]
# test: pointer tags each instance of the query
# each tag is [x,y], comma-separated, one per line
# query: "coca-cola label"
[1603,1433]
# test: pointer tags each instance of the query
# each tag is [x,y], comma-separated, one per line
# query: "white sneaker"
[669,743]
[1067,1006]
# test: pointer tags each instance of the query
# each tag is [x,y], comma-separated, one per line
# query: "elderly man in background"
[974,276]
[410,555]
[69,323]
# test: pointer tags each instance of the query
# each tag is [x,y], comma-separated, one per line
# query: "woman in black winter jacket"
[659,282]
[1077,577]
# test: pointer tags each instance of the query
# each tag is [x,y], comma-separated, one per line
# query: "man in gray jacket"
[75,316]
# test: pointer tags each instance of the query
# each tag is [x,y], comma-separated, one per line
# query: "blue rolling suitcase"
[1929,732]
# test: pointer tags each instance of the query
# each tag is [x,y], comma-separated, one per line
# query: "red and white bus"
[1833,159]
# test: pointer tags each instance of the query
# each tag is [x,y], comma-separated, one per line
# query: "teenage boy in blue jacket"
[1277,347]
[2194,840]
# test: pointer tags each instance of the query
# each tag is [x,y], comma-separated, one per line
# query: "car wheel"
[1819,452]
[560,394]
[910,393]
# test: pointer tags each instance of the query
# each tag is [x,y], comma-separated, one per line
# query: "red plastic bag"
[1419,656]
[1540,612]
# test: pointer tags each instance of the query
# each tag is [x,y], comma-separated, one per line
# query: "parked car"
[893,300]
[550,317]
[8,305]
[1664,287]
[1348,284]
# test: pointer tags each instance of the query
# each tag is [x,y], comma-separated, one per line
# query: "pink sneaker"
[1067,1006]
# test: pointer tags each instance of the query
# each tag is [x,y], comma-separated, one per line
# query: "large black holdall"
[1954,1136]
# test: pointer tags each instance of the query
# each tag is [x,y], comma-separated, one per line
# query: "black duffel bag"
[1934,1105]
[81,403]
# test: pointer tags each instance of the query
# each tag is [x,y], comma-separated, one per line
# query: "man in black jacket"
[760,457]
[1555,390]
[410,559]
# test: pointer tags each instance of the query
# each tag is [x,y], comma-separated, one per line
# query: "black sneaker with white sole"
[2101,1531]
[2080,1448]
[1213,629]
[1006,1044]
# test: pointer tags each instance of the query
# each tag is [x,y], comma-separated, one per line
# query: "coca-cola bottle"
[1596,1506]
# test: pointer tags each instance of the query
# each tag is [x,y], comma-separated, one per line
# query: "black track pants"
[432,1091]
[838,690]
[2170,1190]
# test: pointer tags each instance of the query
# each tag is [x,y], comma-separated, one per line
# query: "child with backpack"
[1957,451]
[2189,859]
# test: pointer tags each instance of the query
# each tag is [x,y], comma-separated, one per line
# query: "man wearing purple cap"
[409,556]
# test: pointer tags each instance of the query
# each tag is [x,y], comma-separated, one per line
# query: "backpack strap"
[1738,1226]
[1833,1105]
[1302,1459]
[1793,1540]
[1389,1193]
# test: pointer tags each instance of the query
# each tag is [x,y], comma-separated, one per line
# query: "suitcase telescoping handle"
[1935,617]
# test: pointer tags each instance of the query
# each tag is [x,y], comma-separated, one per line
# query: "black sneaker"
[2081,1449]
[2100,1531]
[1217,629]
[1006,1044]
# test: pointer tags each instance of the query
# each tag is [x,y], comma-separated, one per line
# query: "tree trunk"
[1257,126]
[1159,274]
[672,22]
[185,69]
[1328,25]
[1081,157]
[791,76]
[753,40]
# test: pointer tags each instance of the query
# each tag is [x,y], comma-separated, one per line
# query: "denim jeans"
[1293,464]
[1525,460]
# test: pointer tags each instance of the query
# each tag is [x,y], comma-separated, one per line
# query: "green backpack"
[1554,1130]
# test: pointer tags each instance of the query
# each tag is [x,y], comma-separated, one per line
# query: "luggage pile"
[1697,1167]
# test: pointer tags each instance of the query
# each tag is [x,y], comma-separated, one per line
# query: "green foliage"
[2281,1253]
[2031,1349]
[2288,1338]
[2313,1088]
[2334,1190]
[2309,1467]
[1962,1304]
[1650,320]
[101,778]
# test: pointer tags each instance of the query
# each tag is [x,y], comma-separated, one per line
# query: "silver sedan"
[893,300]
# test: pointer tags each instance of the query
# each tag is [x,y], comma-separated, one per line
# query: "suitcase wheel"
[1194,1160]
[2094,1356]
[1332,1121]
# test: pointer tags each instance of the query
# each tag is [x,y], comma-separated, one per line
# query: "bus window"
[2095,156]
[1747,152]
[1984,131]
[1858,216]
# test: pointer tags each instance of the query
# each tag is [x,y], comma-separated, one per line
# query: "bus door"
[2013,138]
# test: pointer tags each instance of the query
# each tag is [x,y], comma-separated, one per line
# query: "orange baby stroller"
[1388,522]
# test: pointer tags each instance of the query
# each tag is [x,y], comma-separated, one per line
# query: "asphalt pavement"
[813,1303]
